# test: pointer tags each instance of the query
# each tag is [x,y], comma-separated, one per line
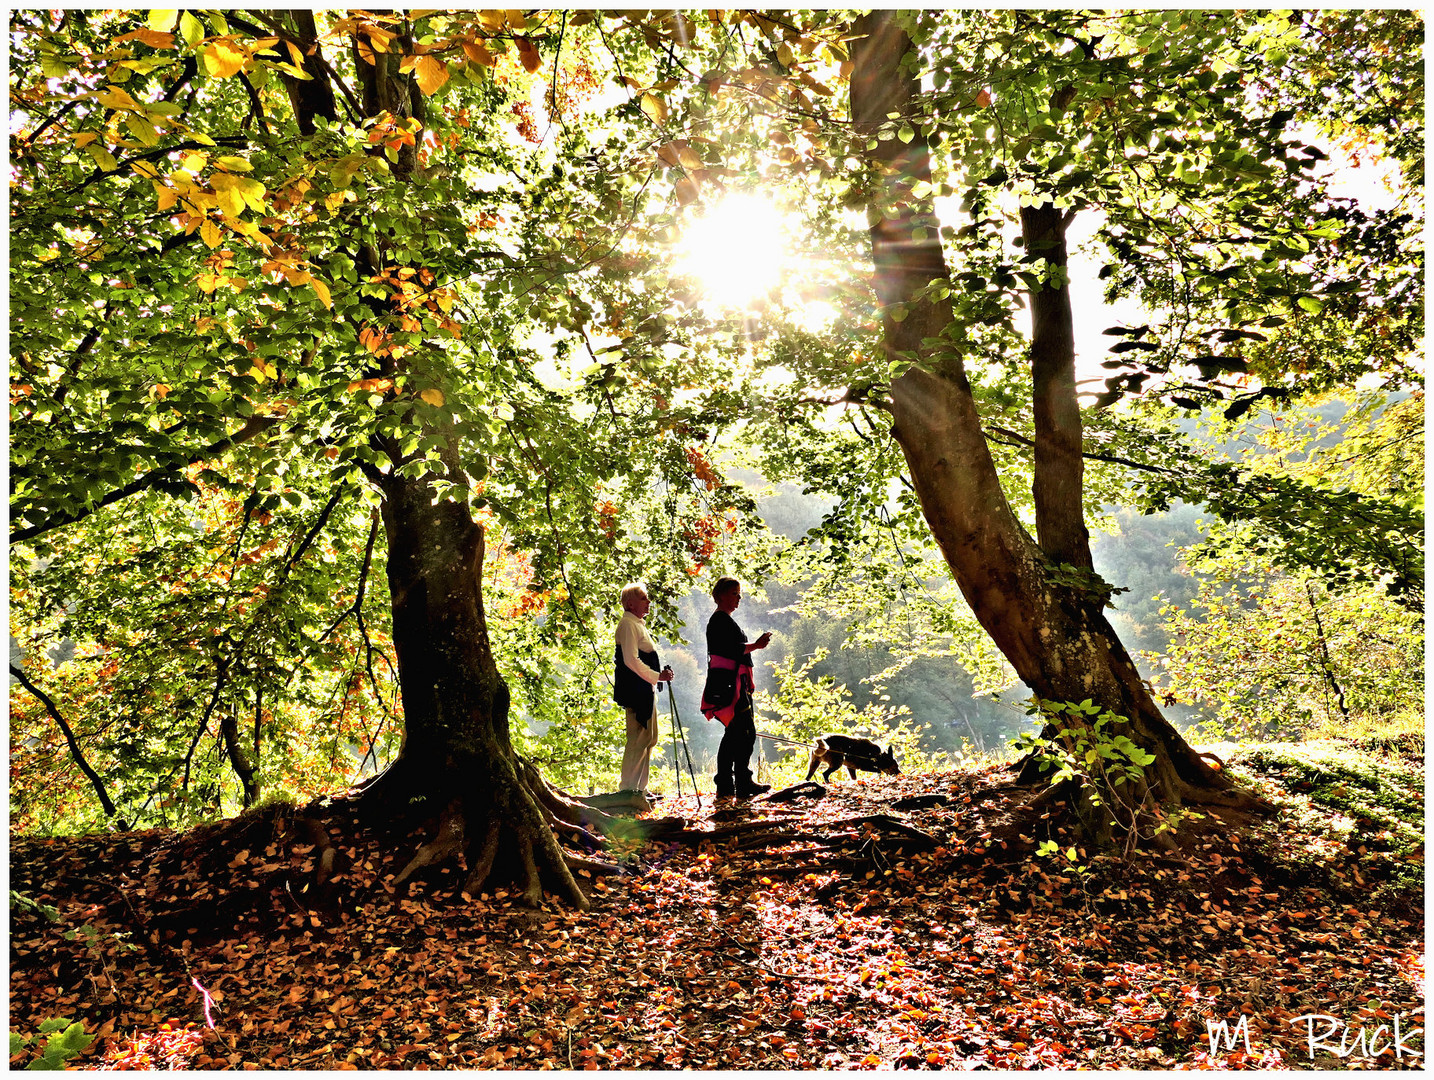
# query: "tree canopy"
[298,297]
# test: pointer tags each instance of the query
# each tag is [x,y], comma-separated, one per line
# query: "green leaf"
[191,29]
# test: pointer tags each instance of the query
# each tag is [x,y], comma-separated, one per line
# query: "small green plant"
[62,1041]
[1086,752]
[20,904]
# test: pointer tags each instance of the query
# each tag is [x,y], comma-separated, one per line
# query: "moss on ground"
[1370,795]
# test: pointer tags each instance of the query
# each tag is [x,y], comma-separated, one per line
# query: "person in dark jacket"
[727,695]
[635,678]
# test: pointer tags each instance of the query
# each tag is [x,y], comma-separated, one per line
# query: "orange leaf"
[528,54]
[153,38]
[431,73]
[478,53]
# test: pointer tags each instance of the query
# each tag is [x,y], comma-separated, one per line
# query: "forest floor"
[892,922]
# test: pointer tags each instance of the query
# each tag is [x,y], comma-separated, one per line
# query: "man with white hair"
[635,679]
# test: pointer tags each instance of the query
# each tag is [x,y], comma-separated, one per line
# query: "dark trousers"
[735,750]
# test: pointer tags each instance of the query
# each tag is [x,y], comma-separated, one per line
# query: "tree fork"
[1054,633]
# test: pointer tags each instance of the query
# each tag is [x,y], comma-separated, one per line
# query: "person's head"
[727,594]
[634,599]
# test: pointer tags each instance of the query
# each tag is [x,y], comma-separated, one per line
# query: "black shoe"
[746,791]
[725,791]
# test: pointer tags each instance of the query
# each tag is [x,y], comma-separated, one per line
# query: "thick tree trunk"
[1054,633]
[456,765]
[456,759]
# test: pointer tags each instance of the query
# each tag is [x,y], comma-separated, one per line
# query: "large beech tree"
[1155,123]
[259,257]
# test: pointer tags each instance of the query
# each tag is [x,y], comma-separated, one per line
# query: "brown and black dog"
[837,750]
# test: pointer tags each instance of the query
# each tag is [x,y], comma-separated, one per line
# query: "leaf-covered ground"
[894,922]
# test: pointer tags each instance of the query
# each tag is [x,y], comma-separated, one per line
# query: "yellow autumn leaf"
[163,19]
[84,138]
[210,234]
[114,97]
[223,58]
[433,397]
[153,38]
[686,191]
[431,73]
[103,158]
[322,291]
[654,107]
[249,229]
[235,192]
[207,281]
[233,163]
[689,158]
[230,201]
[167,195]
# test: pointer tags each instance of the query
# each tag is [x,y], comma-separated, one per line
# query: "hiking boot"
[725,790]
[746,791]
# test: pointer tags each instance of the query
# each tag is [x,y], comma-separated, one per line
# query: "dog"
[837,750]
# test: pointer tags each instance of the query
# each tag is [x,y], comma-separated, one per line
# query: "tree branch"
[44,699]
[253,426]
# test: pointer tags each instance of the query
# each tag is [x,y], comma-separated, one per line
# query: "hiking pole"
[686,750]
[676,764]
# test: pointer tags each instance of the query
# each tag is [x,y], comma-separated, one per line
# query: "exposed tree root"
[576,811]
[510,832]
[446,843]
[482,864]
[806,789]
[595,867]
[1234,798]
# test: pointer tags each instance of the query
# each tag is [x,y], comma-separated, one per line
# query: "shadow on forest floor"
[901,921]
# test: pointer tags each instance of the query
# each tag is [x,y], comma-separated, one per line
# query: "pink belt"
[722,663]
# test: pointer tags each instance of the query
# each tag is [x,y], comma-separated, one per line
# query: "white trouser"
[638,752]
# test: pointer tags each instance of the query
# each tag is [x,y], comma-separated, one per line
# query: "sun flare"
[736,250]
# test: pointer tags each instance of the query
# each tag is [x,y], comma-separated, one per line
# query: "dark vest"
[631,690]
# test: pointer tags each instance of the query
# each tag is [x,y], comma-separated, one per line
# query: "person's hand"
[665,675]
[763,641]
